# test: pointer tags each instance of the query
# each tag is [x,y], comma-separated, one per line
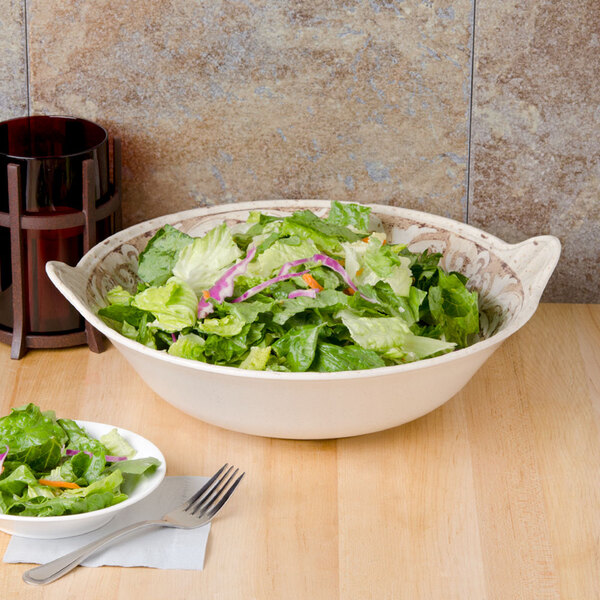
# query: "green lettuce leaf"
[325,228]
[227,326]
[328,278]
[390,333]
[107,483]
[366,264]
[203,261]
[157,260]
[119,296]
[250,310]
[116,444]
[131,471]
[424,267]
[257,359]
[99,494]
[42,506]
[123,313]
[354,215]
[222,350]
[256,230]
[274,257]
[34,438]
[327,299]
[454,308]
[298,346]
[73,469]
[189,346]
[407,307]
[331,357]
[18,480]
[80,440]
[175,305]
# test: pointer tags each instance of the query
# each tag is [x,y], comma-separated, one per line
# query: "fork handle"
[55,569]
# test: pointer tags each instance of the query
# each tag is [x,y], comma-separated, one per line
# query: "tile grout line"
[470,119]
[27,90]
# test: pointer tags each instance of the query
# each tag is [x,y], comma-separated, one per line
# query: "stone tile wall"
[13,60]
[535,143]
[361,100]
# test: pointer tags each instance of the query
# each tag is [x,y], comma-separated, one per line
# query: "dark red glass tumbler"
[50,152]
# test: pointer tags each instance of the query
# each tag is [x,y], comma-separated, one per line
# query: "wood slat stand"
[21,338]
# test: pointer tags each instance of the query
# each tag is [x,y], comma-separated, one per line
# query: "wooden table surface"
[494,495]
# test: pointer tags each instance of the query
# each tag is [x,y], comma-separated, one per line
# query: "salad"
[295,293]
[51,467]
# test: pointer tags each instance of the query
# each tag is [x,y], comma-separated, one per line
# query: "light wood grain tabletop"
[495,495]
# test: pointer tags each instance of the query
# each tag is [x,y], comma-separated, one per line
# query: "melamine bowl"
[510,279]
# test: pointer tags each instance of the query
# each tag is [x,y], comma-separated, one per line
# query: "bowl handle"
[70,281]
[534,261]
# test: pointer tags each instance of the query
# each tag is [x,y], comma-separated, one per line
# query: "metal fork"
[194,512]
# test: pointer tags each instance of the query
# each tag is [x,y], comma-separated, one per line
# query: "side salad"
[52,467]
[294,293]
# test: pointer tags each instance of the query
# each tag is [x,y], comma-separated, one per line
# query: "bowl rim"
[156,479]
[473,234]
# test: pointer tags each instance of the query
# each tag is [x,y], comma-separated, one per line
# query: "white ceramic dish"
[69,525]
[509,278]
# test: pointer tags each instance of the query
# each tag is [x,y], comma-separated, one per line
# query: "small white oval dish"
[70,525]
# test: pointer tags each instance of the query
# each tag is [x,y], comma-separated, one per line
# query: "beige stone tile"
[13,73]
[230,101]
[536,132]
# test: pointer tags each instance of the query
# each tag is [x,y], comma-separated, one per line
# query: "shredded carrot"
[366,239]
[312,282]
[359,272]
[349,291]
[205,294]
[61,484]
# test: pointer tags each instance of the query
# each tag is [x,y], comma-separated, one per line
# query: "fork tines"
[214,493]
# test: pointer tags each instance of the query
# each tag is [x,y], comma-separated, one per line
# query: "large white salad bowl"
[510,280]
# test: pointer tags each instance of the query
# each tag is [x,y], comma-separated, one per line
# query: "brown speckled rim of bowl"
[502,252]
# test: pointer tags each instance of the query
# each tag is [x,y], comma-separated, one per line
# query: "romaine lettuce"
[257,358]
[296,293]
[387,334]
[203,261]
[188,345]
[156,262]
[174,305]
[354,215]
[368,263]
[35,482]
[279,253]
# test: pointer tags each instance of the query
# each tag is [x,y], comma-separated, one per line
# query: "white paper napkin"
[157,547]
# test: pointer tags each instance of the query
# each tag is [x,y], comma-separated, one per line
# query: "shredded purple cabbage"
[204,308]
[3,456]
[110,458]
[173,337]
[223,287]
[326,261]
[265,284]
[293,263]
[70,452]
[312,293]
